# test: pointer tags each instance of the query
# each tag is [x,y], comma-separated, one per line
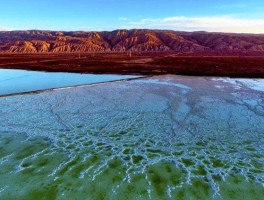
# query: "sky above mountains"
[243,16]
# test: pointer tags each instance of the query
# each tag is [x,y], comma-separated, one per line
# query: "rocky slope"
[36,41]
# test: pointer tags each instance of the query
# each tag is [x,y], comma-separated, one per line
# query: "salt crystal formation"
[160,137]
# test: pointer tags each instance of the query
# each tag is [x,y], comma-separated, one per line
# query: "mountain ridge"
[122,40]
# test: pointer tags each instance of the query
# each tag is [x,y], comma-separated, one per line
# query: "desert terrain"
[148,52]
[138,63]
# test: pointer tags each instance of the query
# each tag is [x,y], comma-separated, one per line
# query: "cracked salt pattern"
[254,84]
[161,137]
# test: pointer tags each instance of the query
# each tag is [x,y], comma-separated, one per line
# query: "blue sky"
[189,15]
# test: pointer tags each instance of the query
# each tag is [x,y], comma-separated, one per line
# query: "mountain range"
[139,40]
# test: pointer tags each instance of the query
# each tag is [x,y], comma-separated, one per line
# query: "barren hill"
[36,41]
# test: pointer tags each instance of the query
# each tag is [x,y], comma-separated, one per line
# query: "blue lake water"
[19,81]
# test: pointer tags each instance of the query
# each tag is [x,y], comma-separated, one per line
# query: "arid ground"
[140,63]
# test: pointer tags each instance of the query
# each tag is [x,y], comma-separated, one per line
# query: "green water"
[35,172]
[166,138]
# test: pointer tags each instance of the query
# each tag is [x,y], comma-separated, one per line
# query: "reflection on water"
[19,81]
[158,138]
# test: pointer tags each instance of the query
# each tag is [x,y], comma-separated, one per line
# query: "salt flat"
[155,138]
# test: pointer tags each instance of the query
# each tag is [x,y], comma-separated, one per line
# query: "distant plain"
[248,65]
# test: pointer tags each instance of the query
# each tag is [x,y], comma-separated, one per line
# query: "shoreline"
[70,87]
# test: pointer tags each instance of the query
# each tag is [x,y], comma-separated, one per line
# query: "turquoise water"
[19,81]
[167,137]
